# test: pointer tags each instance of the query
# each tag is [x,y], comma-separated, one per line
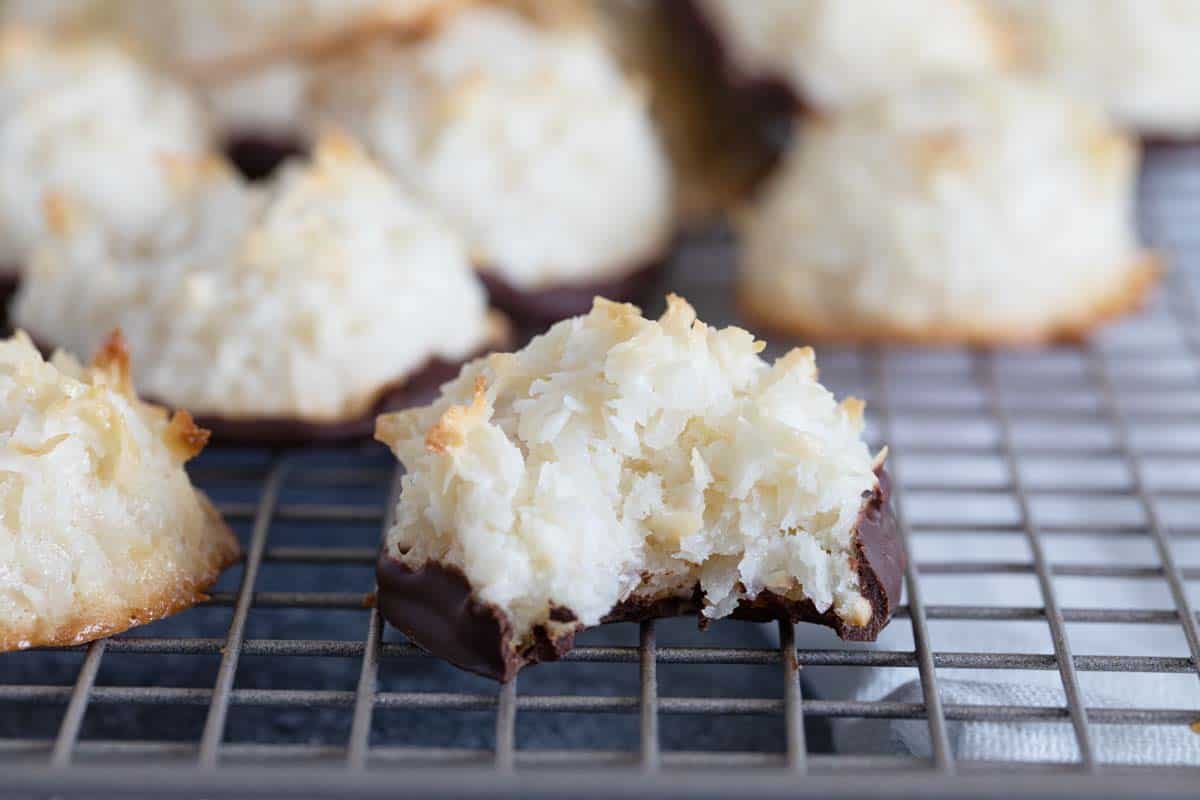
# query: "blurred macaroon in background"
[938,171]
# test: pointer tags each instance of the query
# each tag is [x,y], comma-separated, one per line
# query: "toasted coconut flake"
[450,431]
[184,437]
[113,359]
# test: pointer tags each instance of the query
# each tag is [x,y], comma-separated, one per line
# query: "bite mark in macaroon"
[620,468]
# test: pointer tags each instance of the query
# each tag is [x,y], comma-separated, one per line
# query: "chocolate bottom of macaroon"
[536,307]
[761,92]
[10,278]
[435,607]
[415,389]
[257,155]
[1153,143]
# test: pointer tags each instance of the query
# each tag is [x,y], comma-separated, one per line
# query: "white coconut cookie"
[829,54]
[251,55]
[1137,58]
[529,140]
[102,529]
[83,115]
[985,211]
[307,300]
[618,468]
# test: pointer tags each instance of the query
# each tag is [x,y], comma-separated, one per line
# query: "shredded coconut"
[251,57]
[99,525]
[984,205]
[529,140]
[301,300]
[618,457]
[1138,58]
[86,117]
[834,53]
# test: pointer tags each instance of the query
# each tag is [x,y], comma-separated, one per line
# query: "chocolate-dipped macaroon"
[620,468]
[986,211]
[254,60]
[284,313]
[1138,59]
[530,140]
[823,55]
[251,60]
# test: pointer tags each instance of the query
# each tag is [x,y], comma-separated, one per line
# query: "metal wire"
[1174,575]
[1058,626]
[1146,381]
[507,704]
[889,778]
[793,699]
[942,756]
[364,704]
[364,701]
[648,662]
[68,731]
[665,655]
[214,725]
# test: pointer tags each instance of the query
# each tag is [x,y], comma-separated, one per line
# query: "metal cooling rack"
[1138,385]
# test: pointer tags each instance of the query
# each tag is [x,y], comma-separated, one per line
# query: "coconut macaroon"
[84,115]
[829,54]
[292,312]
[529,140]
[1137,58]
[983,211]
[253,59]
[622,468]
[250,59]
[102,529]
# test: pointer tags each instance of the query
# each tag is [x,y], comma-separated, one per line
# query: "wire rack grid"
[1137,386]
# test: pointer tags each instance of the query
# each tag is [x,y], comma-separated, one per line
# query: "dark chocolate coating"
[1166,143]
[543,306]
[415,389]
[257,155]
[759,92]
[434,606]
[418,388]
[10,278]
